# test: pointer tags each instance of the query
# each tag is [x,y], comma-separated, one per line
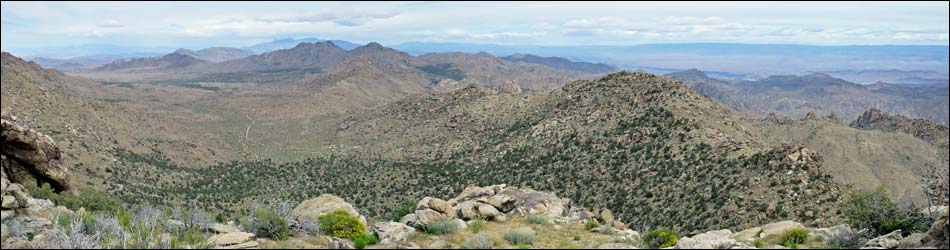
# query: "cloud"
[111,24]
[342,18]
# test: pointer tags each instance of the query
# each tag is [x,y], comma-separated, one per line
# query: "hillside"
[822,94]
[88,129]
[660,150]
[563,63]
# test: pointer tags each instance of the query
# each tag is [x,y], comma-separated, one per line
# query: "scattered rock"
[887,241]
[392,232]
[230,239]
[337,243]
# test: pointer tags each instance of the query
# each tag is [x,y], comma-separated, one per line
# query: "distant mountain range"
[761,59]
[821,94]
[899,64]
[309,62]
[287,43]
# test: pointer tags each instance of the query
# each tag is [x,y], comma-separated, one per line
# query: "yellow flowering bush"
[341,224]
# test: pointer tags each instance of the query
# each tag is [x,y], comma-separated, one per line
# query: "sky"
[236,24]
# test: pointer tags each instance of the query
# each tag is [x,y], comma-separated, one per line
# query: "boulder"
[245,245]
[838,231]
[219,228]
[230,239]
[528,201]
[606,217]
[424,217]
[486,211]
[337,243]
[311,209]
[407,245]
[887,241]
[436,204]
[32,156]
[747,235]
[618,225]
[392,232]
[502,202]
[779,228]
[461,225]
[914,241]
[472,193]
[710,240]
[9,202]
[466,210]
[409,219]
[938,235]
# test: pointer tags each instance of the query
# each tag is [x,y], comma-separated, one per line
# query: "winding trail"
[247,133]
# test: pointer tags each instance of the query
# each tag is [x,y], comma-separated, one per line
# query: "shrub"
[341,224]
[539,219]
[520,236]
[267,223]
[660,238]
[794,237]
[847,241]
[477,225]
[874,210]
[441,227]
[577,237]
[360,241]
[590,225]
[89,198]
[480,242]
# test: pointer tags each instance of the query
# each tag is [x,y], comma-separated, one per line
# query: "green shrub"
[360,241]
[89,198]
[794,237]
[660,238]
[441,227]
[539,219]
[479,242]
[590,225]
[341,224]
[520,236]
[874,210]
[477,225]
[577,237]
[268,224]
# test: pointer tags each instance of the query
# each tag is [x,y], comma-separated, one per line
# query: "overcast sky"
[203,24]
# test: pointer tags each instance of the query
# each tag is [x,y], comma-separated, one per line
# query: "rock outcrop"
[497,203]
[29,156]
